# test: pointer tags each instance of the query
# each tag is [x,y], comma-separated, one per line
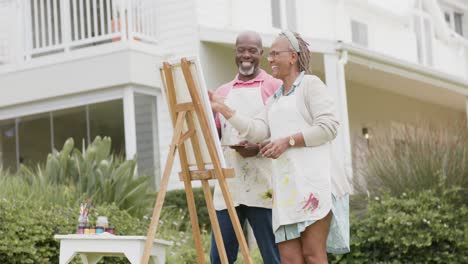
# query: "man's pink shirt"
[268,84]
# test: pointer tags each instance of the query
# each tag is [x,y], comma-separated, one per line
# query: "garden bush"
[177,199]
[27,228]
[414,158]
[425,227]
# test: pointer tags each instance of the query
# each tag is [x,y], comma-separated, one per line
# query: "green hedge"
[412,228]
[27,229]
[177,199]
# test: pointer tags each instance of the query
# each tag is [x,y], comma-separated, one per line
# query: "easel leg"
[163,188]
[194,221]
[214,222]
[235,221]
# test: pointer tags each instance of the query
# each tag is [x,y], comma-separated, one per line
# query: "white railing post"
[56,25]
[20,32]
[42,28]
[129,18]
[123,19]
[27,30]
[65,24]
[49,11]
[101,17]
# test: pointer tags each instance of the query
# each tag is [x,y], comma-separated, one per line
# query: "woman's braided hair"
[304,54]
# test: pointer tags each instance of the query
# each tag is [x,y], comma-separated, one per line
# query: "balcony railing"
[52,26]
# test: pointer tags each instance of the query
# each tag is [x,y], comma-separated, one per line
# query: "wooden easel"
[182,119]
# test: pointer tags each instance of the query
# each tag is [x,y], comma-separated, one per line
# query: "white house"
[82,68]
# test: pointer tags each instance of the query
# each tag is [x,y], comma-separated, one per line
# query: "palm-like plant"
[95,173]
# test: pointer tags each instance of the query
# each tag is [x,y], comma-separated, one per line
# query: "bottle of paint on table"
[101,224]
[82,224]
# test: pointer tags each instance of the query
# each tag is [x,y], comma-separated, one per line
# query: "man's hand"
[248,149]
[275,148]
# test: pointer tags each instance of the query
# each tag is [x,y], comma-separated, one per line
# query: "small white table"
[93,247]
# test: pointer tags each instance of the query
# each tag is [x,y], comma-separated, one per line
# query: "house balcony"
[57,48]
[31,30]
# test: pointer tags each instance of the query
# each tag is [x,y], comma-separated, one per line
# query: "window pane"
[458,19]
[147,135]
[276,13]
[447,18]
[34,139]
[417,32]
[70,123]
[291,14]
[8,145]
[106,119]
[428,40]
[359,33]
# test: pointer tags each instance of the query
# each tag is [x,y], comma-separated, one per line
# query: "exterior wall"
[388,33]
[77,76]
[178,28]
[370,107]
[390,29]
[9,37]
[449,58]
[218,64]
[214,12]
[322,22]
[239,14]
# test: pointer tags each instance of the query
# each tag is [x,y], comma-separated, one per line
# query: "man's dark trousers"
[260,221]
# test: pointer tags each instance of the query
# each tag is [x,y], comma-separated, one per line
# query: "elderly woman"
[309,215]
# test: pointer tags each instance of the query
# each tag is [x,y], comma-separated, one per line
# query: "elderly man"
[251,188]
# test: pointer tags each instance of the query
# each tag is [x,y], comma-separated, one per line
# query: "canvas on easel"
[201,159]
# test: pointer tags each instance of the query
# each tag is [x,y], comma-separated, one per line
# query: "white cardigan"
[318,109]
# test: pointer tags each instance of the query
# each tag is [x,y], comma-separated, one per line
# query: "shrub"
[424,227]
[27,229]
[416,158]
[177,199]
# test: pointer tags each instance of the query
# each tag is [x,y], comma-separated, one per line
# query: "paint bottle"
[99,229]
[82,223]
[110,230]
[80,230]
[101,224]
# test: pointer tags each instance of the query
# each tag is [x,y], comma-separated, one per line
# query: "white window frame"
[288,14]
[367,45]
[427,57]
[451,11]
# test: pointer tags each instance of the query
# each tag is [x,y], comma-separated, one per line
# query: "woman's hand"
[218,106]
[275,148]
[216,101]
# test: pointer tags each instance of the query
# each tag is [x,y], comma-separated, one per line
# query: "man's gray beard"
[246,72]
